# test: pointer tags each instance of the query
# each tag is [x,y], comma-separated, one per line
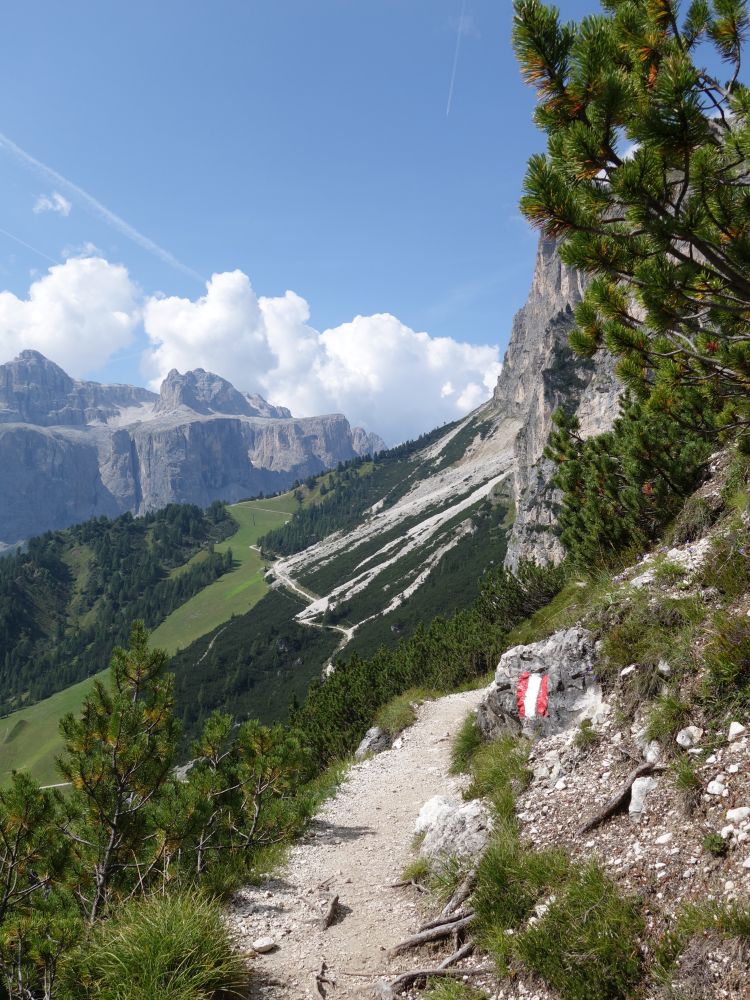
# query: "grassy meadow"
[29,738]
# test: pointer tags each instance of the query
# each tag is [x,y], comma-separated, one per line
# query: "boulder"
[453,829]
[376,740]
[544,688]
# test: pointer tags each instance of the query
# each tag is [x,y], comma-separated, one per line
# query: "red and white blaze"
[531,693]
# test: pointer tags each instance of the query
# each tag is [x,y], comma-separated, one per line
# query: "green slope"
[29,738]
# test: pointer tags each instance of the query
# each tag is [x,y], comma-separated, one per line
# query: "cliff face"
[71,450]
[540,373]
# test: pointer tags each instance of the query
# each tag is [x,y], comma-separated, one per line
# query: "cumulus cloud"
[375,369]
[54,202]
[78,314]
[382,374]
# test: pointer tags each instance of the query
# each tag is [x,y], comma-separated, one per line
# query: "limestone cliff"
[541,373]
[70,450]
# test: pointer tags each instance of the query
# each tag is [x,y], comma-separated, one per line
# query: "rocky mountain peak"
[541,374]
[205,392]
[366,444]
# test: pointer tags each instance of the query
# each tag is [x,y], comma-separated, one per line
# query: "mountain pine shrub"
[644,181]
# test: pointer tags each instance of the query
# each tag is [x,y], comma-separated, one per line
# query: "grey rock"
[366,444]
[453,829]
[540,373]
[689,736]
[565,662]
[639,791]
[736,729]
[376,740]
[263,945]
[77,450]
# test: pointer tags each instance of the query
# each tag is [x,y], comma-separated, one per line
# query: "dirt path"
[357,845]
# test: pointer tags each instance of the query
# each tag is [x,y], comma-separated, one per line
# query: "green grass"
[466,743]
[400,712]
[172,947]
[33,746]
[233,593]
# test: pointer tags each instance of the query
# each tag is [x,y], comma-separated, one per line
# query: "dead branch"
[441,920]
[462,893]
[433,934]
[402,983]
[404,883]
[620,799]
[321,980]
[330,915]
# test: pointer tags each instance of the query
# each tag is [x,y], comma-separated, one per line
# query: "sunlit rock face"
[70,450]
[540,374]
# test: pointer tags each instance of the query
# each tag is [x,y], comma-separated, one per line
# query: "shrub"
[728,566]
[714,843]
[586,946]
[172,947]
[667,716]
[686,781]
[466,742]
[586,736]
[727,662]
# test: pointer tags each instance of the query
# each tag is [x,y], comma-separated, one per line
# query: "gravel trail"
[358,844]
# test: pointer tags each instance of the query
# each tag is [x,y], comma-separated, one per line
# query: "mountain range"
[72,450]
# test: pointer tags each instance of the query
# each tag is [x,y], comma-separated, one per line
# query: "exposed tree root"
[621,797]
[438,933]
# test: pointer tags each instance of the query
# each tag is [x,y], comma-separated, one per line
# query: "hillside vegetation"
[29,737]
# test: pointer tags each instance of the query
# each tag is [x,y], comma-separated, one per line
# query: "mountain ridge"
[83,449]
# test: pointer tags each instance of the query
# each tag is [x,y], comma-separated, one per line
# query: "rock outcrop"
[541,374]
[71,450]
[366,444]
[451,828]
[544,688]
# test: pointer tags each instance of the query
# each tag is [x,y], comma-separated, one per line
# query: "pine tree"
[646,182]
[621,488]
[118,756]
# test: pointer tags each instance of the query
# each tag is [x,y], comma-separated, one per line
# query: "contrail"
[96,208]
[459,33]
[28,246]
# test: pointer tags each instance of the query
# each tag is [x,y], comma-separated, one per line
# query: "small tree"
[118,756]
[646,181]
[620,488]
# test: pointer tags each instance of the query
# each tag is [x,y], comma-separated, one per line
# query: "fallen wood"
[462,893]
[407,979]
[321,980]
[330,915]
[620,798]
[405,883]
[439,921]
[433,934]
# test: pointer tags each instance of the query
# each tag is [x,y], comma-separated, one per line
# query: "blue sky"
[304,143]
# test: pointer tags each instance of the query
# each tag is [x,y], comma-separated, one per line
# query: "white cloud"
[54,202]
[382,374]
[78,315]
[376,370]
